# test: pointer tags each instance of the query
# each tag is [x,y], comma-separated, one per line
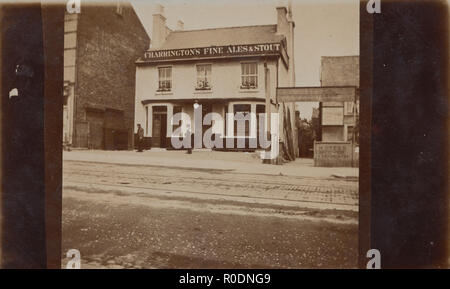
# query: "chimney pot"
[159,10]
[159,32]
[180,25]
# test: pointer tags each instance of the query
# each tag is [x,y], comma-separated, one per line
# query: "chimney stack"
[282,21]
[290,10]
[159,32]
[285,27]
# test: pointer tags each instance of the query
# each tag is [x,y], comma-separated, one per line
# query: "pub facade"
[219,71]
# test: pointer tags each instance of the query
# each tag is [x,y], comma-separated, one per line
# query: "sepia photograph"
[211,134]
[270,134]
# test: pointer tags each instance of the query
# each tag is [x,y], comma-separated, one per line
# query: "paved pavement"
[172,210]
[215,182]
[238,162]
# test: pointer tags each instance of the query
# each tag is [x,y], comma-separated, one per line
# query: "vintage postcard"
[197,135]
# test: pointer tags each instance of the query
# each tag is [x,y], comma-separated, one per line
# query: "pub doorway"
[159,128]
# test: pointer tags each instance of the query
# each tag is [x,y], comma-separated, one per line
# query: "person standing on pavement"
[189,135]
[140,133]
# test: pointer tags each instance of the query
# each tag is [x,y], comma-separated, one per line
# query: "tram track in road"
[211,202]
[338,193]
[166,191]
[226,184]
[229,177]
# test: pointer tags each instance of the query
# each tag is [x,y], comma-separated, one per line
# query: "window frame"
[247,123]
[349,108]
[175,127]
[197,77]
[249,75]
[165,78]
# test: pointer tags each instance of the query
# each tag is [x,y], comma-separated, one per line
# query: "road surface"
[144,216]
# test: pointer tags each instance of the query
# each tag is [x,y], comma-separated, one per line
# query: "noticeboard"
[332,116]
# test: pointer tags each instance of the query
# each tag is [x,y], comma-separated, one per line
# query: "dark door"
[159,127]
[96,136]
[156,131]
[163,130]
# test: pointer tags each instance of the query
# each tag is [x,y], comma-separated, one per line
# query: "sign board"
[317,94]
[335,154]
[333,116]
[213,51]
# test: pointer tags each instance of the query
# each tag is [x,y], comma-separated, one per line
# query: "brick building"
[101,45]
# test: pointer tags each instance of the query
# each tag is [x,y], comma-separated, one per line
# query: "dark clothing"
[140,132]
[140,143]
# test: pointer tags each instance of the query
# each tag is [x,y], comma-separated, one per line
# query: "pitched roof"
[221,37]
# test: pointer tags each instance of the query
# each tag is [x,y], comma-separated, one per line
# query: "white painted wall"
[225,82]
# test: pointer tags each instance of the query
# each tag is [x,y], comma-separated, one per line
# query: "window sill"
[203,91]
[249,90]
[164,92]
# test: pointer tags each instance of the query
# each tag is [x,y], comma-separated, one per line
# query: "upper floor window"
[165,78]
[351,107]
[203,77]
[249,75]
[348,107]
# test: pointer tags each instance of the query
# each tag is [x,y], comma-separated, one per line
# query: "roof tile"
[221,37]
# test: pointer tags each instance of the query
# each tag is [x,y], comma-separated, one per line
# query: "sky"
[322,27]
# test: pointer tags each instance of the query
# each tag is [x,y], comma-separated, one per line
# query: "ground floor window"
[260,108]
[245,110]
[177,121]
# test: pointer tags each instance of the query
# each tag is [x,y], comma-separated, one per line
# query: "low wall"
[336,154]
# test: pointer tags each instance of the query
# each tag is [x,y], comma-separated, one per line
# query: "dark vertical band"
[365,94]
[32,37]
[409,134]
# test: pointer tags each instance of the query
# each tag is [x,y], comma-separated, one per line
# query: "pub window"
[249,75]
[203,77]
[165,78]
[177,109]
[260,108]
[245,110]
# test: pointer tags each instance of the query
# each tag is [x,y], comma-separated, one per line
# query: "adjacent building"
[101,45]
[225,70]
[339,120]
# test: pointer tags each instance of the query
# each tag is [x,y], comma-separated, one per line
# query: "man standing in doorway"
[140,133]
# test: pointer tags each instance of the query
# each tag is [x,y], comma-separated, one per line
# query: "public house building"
[225,70]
